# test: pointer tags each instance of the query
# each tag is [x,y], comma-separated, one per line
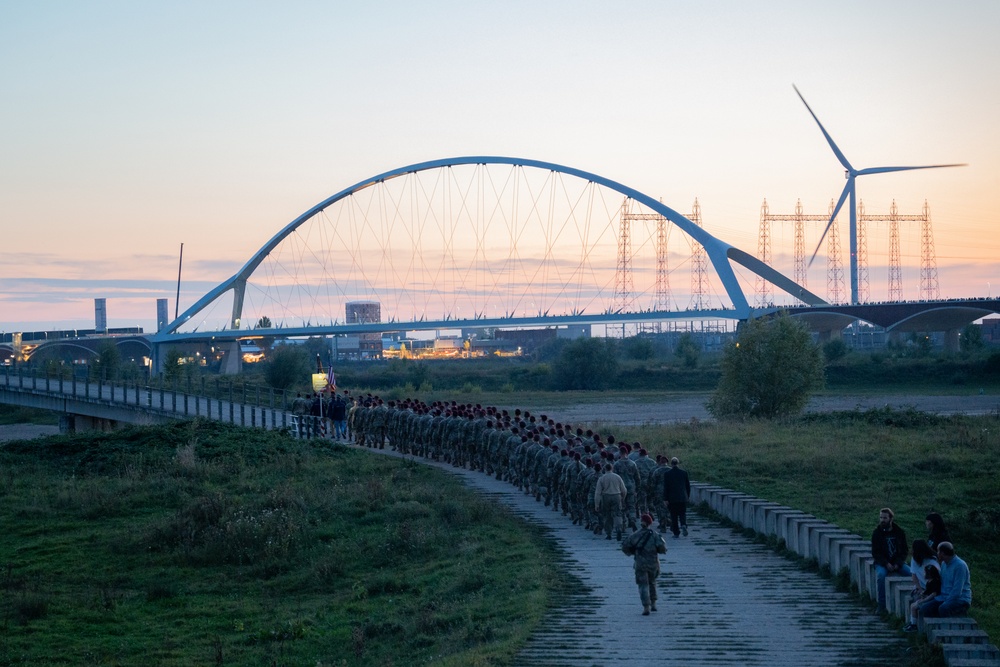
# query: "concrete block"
[844,551]
[719,501]
[863,572]
[953,652]
[787,526]
[949,636]
[837,554]
[771,517]
[955,623]
[827,541]
[700,491]
[731,508]
[897,595]
[804,540]
[759,518]
[742,510]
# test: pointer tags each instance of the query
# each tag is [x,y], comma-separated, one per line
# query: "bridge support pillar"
[951,340]
[232,360]
[830,334]
[69,423]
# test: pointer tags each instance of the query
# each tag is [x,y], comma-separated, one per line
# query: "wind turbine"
[849,190]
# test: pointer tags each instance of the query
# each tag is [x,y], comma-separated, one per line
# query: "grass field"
[844,467]
[197,544]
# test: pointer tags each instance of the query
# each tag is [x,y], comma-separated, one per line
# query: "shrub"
[769,372]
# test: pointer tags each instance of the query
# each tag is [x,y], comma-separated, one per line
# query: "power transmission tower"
[800,245]
[928,264]
[929,288]
[864,290]
[763,289]
[834,266]
[623,273]
[699,265]
[763,295]
[662,273]
[625,264]
[895,259]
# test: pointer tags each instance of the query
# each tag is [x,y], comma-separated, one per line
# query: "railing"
[249,406]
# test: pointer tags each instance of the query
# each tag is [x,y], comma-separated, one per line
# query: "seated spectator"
[937,533]
[932,588]
[922,562]
[955,597]
[889,550]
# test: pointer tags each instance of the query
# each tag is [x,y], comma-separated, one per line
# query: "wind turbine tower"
[849,191]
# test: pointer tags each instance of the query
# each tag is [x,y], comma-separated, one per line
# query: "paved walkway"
[724,600]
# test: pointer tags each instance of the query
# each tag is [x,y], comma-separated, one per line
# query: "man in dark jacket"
[676,491]
[889,550]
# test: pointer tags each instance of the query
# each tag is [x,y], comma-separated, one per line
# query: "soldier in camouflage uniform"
[654,491]
[645,466]
[625,468]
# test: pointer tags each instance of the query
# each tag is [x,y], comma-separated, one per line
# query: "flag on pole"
[331,380]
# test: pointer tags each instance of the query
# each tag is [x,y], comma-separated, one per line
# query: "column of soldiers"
[551,461]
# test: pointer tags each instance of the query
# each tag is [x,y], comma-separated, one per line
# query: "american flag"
[331,380]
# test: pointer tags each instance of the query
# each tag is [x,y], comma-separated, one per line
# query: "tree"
[586,363]
[287,366]
[172,368]
[769,372]
[639,348]
[688,350]
[972,338]
[834,349]
[109,360]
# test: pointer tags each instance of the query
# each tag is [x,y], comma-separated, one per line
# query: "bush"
[585,363]
[769,372]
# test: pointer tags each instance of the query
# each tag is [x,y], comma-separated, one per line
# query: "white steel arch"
[467,239]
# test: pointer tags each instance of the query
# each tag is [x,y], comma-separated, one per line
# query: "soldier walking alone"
[646,545]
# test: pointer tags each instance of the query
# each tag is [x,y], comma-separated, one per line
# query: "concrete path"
[724,600]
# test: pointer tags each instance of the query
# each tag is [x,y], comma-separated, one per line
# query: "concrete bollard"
[788,527]
[982,653]
[758,517]
[863,571]
[827,541]
[843,553]
[897,595]
[804,540]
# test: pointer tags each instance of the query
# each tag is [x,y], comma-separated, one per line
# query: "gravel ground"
[26,431]
[682,409]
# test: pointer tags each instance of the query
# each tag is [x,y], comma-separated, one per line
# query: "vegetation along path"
[724,600]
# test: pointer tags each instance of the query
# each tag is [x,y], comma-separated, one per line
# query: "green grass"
[202,544]
[844,467]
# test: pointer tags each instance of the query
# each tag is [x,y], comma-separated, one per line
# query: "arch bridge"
[483,242]
[475,242]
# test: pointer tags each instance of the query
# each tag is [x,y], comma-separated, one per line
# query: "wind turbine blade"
[829,139]
[836,210]
[885,170]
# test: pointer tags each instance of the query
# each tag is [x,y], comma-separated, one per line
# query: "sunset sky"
[129,128]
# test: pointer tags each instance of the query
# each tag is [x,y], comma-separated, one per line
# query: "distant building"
[366,312]
[161,314]
[991,330]
[101,316]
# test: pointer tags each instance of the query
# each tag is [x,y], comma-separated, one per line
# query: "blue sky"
[129,128]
